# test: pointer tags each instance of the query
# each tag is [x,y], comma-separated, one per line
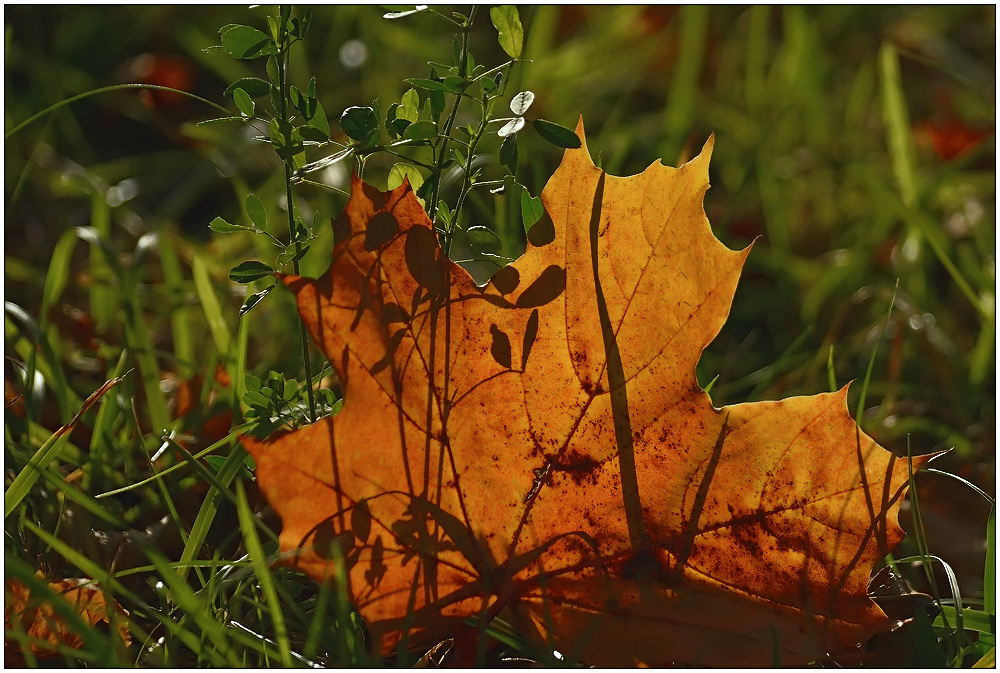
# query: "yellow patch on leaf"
[539,447]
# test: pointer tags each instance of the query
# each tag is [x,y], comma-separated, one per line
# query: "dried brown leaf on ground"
[42,622]
[539,447]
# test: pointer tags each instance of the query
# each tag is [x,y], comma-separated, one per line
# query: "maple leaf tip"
[705,156]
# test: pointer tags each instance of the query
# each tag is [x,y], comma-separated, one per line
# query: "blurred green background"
[855,145]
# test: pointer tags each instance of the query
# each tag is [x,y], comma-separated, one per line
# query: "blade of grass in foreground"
[210,506]
[989,660]
[184,598]
[46,453]
[989,640]
[263,573]
[238,430]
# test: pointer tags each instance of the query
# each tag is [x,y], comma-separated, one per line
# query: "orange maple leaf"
[540,447]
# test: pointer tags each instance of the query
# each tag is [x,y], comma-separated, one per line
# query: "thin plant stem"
[446,132]
[283,112]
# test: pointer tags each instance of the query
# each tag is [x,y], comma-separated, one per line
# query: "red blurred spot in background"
[162,70]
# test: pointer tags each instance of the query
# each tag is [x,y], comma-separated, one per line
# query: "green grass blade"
[263,573]
[46,453]
[930,233]
[238,430]
[58,272]
[989,660]
[974,620]
[106,89]
[989,578]
[181,325]
[682,100]
[210,506]
[106,272]
[897,122]
[831,375]
[858,416]
[989,585]
[983,494]
[102,438]
[239,384]
[192,606]
[49,364]
[137,335]
[318,622]
[210,305]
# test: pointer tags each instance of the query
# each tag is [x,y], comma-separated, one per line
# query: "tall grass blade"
[210,506]
[46,453]
[181,326]
[263,573]
[683,96]
[859,414]
[238,430]
[210,305]
[107,89]
[897,122]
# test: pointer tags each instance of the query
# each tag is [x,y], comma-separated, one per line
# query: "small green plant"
[420,130]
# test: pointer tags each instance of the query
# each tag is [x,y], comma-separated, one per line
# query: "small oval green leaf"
[531,209]
[223,227]
[254,86]
[508,24]
[246,42]
[560,136]
[247,272]
[508,153]
[319,120]
[454,83]
[409,107]
[256,211]
[244,103]
[358,122]
[422,130]
[407,12]
[428,84]
[401,170]
[398,127]
[483,238]
[254,299]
